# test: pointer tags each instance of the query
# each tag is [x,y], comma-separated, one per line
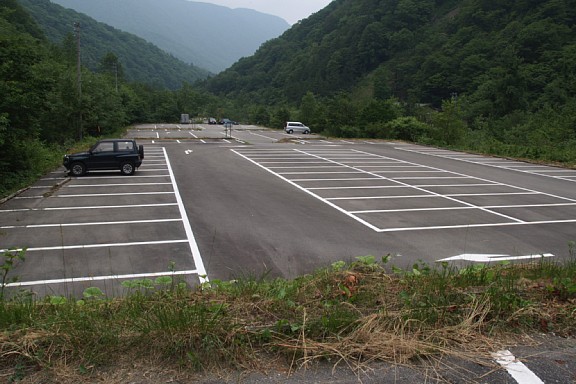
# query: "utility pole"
[79,78]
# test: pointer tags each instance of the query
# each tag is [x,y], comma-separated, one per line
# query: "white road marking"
[486,258]
[490,162]
[307,191]
[203,276]
[385,197]
[345,179]
[515,368]
[116,177]
[458,208]
[357,162]
[412,210]
[90,246]
[263,136]
[28,226]
[306,167]
[357,187]
[116,194]
[486,225]
[113,185]
[88,207]
[431,192]
[100,278]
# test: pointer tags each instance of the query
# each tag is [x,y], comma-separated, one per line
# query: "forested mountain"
[43,112]
[495,76]
[503,54]
[489,76]
[206,35]
[139,60]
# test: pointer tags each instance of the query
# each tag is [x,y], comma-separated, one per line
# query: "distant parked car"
[212,121]
[296,126]
[228,121]
[121,154]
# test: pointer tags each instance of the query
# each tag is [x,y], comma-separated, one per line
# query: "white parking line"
[263,136]
[87,207]
[114,185]
[191,240]
[434,193]
[412,209]
[496,163]
[360,187]
[90,224]
[516,368]
[91,246]
[101,278]
[356,162]
[115,194]
[309,192]
[116,177]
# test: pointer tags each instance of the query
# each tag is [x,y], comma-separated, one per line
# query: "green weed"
[11,258]
[348,311]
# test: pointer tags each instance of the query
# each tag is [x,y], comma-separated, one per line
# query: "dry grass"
[352,317]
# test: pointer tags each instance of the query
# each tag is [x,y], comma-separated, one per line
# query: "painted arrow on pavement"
[486,258]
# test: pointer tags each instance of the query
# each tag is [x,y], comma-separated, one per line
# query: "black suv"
[122,154]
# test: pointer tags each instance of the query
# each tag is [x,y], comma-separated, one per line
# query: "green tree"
[450,129]
[280,117]
[308,109]
[259,115]
[408,128]
[110,66]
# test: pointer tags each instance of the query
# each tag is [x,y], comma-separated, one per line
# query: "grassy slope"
[354,314]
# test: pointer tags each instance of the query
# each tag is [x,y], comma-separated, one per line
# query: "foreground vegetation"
[348,314]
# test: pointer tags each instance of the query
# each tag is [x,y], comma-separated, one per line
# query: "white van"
[296,126]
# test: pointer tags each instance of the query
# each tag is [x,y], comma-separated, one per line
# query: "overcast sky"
[290,10]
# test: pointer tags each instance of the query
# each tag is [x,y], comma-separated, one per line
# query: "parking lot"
[101,230]
[262,203]
[518,166]
[388,194]
[265,203]
[214,134]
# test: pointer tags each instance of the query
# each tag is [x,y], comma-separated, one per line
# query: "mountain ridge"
[187,29]
[141,60]
[424,51]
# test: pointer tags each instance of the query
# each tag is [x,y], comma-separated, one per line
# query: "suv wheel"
[78,169]
[290,131]
[306,132]
[127,168]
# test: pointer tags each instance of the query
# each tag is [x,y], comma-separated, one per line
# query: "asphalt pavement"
[209,203]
